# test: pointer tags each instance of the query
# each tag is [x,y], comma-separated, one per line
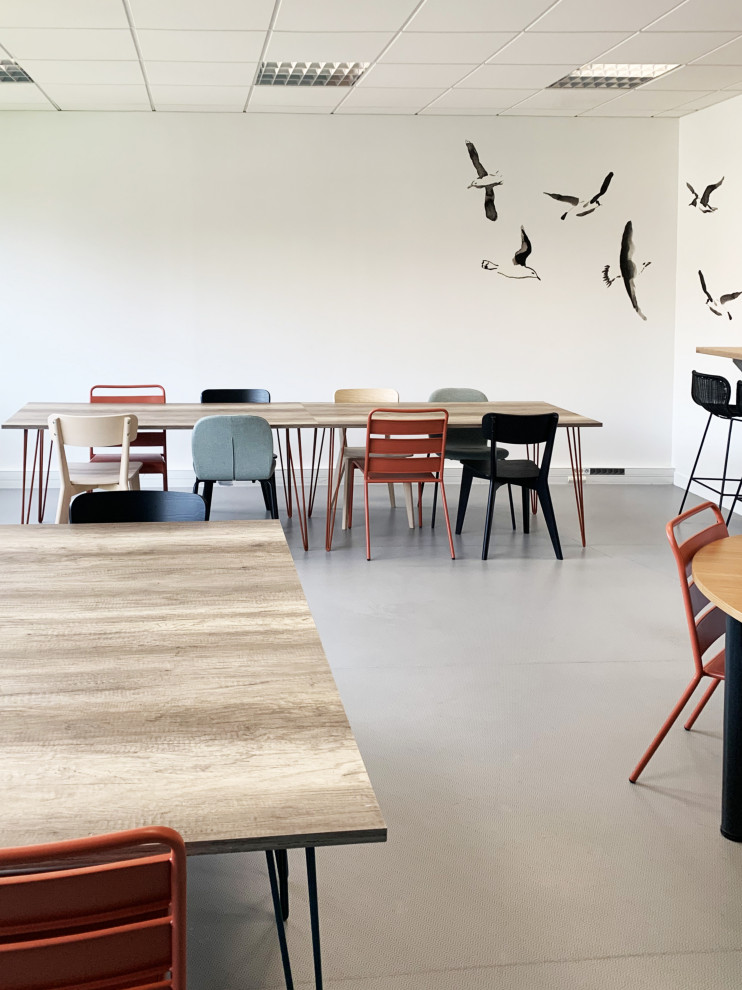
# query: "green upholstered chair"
[233,448]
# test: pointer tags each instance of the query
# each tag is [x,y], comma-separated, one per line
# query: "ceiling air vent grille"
[310,73]
[11,72]
[609,76]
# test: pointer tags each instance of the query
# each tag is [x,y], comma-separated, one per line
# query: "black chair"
[529,476]
[713,393]
[243,395]
[142,506]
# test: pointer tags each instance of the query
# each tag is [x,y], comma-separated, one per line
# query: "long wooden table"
[171,674]
[284,417]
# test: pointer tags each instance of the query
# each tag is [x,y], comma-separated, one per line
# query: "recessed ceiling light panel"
[310,73]
[611,76]
[11,72]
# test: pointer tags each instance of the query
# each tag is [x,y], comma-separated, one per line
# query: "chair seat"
[97,475]
[715,667]
[403,478]
[460,452]
[143,458]
[507,471]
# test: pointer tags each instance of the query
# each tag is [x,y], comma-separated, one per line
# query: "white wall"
[304,253]
[710,147]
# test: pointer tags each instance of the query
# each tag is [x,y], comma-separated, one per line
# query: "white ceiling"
[427,56]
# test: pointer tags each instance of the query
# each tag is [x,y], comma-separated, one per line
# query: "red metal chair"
[404,447]
[153,462]
[706,622]
[104,913]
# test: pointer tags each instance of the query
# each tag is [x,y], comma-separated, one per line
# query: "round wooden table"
[717,570]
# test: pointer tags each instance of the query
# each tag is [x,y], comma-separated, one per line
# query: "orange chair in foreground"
[404,447]
[705,624]
[153,462]
[104,913]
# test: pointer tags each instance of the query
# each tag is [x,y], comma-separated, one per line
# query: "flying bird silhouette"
[587,206]
[716,305]
[704,206]
[519,260]
[486,181]
[627,268]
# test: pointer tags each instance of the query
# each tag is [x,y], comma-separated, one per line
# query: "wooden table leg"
[731,788]
[574,439]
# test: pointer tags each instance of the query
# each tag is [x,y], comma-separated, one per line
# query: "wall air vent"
[310,73]
[11,72]
[607,76]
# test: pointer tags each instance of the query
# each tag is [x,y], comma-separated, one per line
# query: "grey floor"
[500,707]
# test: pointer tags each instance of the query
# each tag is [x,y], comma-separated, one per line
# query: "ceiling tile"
[700,15]
[619,109]
[297,96]
[336,46]
[195,15]
[370,97]
[707,101]
[443,46]
[378,111]
[664,47]
[698,77]
[478,15]
[655,100]
[552,48]
[343,15]
[515,76]
[83,73]
[483,99]
[199,46]
[674,113]
[64,43]
[587,15]
[201,73]
[98,97]
[290,109]
[420,76]
[223,96]
[730,54]
[578,99]
[524,111]
[70,14]
[22,96]
[439,111]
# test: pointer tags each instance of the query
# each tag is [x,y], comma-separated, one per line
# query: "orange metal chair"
[404,447]
[104,913]
[153,462]
[706,622]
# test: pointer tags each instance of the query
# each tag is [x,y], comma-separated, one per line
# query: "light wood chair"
[82,476]
[354,457]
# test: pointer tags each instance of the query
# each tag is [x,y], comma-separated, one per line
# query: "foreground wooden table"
[717,570]
[170,674]
[284,417]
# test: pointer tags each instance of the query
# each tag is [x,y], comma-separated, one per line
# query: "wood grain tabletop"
[170,674]
[735,353]
[717,570]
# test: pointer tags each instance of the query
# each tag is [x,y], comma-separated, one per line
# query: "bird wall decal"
[519,260]
[587,206]
[627,268]
[715,305]
[703,205]
[486,181]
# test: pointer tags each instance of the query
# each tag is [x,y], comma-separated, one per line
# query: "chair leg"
[63,506]
[392,499]
[466,480]
[488,520]
[544,497]
[420,503]
[164,477]
[409,505]
[208,490]
[265,489]
[368,530]
[715,681]
[525,492]
[134,485]
[435,505]
[665,729]
[448,521]
[512,507]
[695,464]
[347,469]
[195,487]
[273,492]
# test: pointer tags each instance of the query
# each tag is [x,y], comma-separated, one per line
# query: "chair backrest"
[507,428]
[235,395]
[133,393]
[461,436]
[93,431]
[97,913]
[366,395]
[706,622]
[712,392]
[137,507]
[410,442]
[232,448]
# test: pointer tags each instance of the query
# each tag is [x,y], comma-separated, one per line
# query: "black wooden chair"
[242,395]
[141,506]
[528,475]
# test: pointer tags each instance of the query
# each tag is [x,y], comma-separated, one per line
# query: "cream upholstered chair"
[82,476]
[358,454]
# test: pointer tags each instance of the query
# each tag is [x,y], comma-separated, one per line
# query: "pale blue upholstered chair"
[467,443]
[233,448]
